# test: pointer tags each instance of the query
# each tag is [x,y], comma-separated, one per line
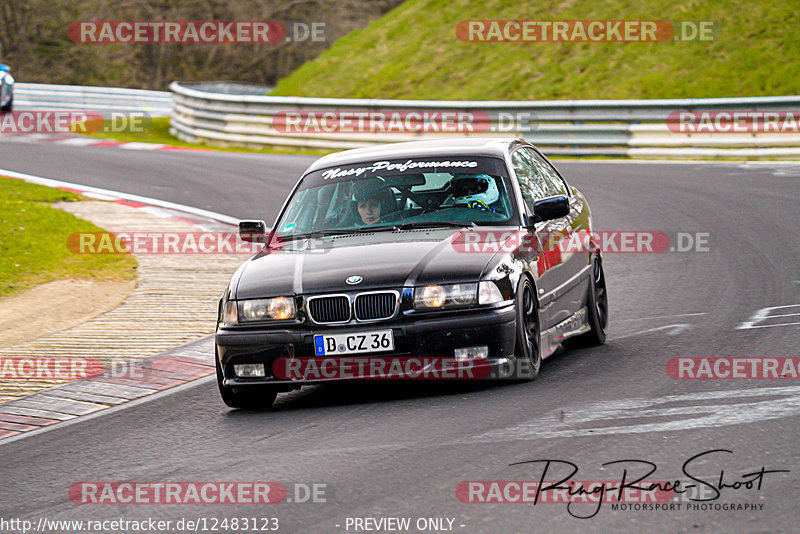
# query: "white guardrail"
[103,100]
[635,128]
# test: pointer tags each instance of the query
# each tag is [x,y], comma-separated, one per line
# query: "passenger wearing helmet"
[373,200]
[474,191]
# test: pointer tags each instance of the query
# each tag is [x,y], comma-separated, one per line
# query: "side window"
[533,184]
[555,183]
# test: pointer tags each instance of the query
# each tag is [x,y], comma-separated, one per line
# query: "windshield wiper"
[435,224]
[412,226]
[313,235]
[379,228]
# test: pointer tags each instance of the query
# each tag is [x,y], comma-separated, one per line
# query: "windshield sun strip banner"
[493,166]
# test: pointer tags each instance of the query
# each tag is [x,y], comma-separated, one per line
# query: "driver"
[369,209]
[373,200]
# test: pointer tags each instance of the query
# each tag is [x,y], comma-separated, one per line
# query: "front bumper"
[421,337]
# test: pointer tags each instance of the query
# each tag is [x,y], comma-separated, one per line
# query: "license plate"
[354,342]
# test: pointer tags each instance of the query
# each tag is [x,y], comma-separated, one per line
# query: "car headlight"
[278,309]
[489,293]
[436,296]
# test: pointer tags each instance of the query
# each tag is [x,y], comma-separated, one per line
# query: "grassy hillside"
[413,52]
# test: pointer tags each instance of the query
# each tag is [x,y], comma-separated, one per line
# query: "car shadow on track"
[353,393]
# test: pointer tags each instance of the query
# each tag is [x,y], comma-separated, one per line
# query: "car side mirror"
[253,231]
[551,208]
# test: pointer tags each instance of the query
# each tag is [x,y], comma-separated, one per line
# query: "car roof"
[471,146]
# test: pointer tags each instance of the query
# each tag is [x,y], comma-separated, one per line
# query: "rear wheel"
[256,397]
[597,305]
[528,350]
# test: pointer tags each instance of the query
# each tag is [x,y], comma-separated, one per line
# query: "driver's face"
[370,210]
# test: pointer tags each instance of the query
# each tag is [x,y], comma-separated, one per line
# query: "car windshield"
[420,192]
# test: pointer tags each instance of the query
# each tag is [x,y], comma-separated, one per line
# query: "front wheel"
[8,107]
[528,350]
[256,397]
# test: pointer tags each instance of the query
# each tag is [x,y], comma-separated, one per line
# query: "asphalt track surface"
[400,450]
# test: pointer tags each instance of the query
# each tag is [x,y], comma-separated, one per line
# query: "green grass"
[33,240]
[158,132]
[413,52]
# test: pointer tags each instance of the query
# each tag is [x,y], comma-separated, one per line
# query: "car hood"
[382,260]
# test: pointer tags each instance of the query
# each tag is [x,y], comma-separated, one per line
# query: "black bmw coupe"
[457,258]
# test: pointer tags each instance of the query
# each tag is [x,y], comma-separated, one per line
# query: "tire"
[8,107]
[597,304]
[528,348]
[251,398]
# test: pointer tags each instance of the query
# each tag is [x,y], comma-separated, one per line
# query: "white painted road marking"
[78,141]
[618,417]
[606,418]
[672,330]
[114,195]
[763,315]
[143,146]
[661,317]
